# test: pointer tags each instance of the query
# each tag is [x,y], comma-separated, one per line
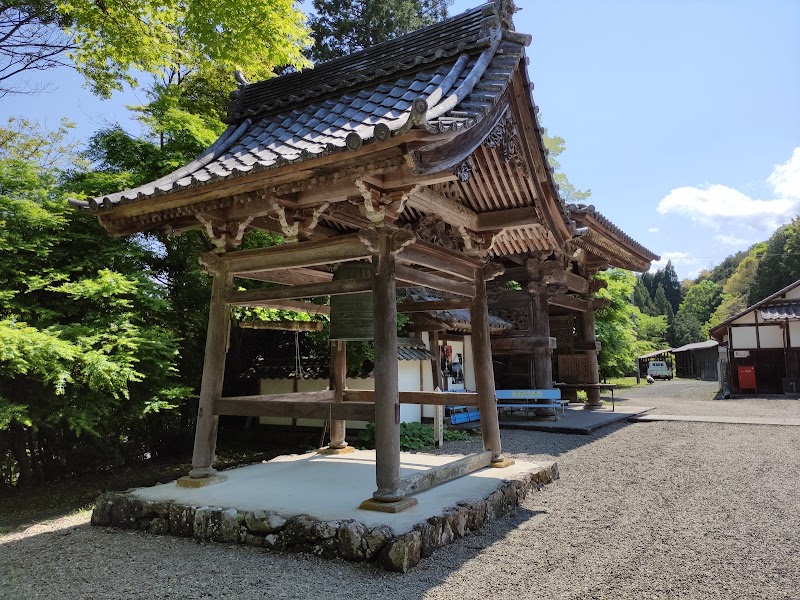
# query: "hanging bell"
[351,314]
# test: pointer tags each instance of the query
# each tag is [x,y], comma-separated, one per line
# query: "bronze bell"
[351,314]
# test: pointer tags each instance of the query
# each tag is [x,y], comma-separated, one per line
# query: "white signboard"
[741,353]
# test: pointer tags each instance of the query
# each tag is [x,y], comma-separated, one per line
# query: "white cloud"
[731,240]
[785,178]
[719,205]
[678,259]
[653,230]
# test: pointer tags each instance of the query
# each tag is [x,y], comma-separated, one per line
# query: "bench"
[551,400]
[586,386]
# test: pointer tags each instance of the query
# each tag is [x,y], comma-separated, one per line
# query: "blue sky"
[681,116]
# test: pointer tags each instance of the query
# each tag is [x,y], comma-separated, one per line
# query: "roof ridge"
[467,32]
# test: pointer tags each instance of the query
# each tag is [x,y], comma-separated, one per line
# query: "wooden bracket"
[224,235]
[290,232]
[371,208]
[400,238]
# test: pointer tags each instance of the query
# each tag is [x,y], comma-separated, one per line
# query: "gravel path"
[658,510]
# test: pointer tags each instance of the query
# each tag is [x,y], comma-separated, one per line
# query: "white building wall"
[743,338]
[746,318]
[771,336]
[793,294]
[794,333]
[408,381]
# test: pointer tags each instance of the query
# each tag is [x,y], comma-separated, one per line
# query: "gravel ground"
[657,510]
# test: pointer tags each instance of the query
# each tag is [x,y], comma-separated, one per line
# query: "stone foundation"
[347,539]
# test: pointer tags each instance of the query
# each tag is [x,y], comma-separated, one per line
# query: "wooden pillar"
[438,410]
[338,383]
[540,327]
[589,335]
[484,372]
[387,400]
[219,320]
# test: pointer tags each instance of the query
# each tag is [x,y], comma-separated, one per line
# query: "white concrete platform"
[329,488]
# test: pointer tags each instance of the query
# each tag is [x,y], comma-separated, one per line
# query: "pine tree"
[642,299]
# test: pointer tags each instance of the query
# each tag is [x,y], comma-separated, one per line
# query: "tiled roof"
[444,77]
[578,210]
[720,330]
[781,311]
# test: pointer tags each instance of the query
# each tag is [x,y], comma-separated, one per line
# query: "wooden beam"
[282,325]
[268,406]
[569,302]
[303,254]
[289,276]
[429,398]
[522,344]
[312,290]
[439,259]
[298,306]
[453,212]
[425,480]
[514,217]
[414,307]
[435,282]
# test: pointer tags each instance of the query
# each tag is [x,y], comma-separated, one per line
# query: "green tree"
[569,193]
[737,287]
[114,39]
[780,263]
[686,329]
[341,27]
[614,324]
[642,299]
[701,300]
[85,362]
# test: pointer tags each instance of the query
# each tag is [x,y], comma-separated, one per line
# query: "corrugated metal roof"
[780,312]
[696,346]
[656,353]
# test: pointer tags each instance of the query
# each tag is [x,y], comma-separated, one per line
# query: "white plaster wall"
[794,333]
[749,317]
[743,338]
[771,336]
[793,294]
[469,367]
[408,381]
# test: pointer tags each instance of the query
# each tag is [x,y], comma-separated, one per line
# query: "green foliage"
[114,39]
[414,437]
[614,324]
[701,300]
[83,348]
[642,299]
[686,329]
[556,145]
[341,27]
[780,264]
[651,333]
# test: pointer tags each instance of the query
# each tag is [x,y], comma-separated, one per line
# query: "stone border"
[348,539]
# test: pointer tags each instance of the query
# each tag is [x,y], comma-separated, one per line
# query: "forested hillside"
[690,308]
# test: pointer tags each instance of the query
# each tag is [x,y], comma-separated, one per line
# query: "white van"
[658,369]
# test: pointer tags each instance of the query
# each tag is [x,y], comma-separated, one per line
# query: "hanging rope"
[298,368]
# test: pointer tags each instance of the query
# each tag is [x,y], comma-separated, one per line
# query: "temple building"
[421,162]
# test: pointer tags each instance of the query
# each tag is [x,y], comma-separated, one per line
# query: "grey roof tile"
[780,312]
[305,114]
